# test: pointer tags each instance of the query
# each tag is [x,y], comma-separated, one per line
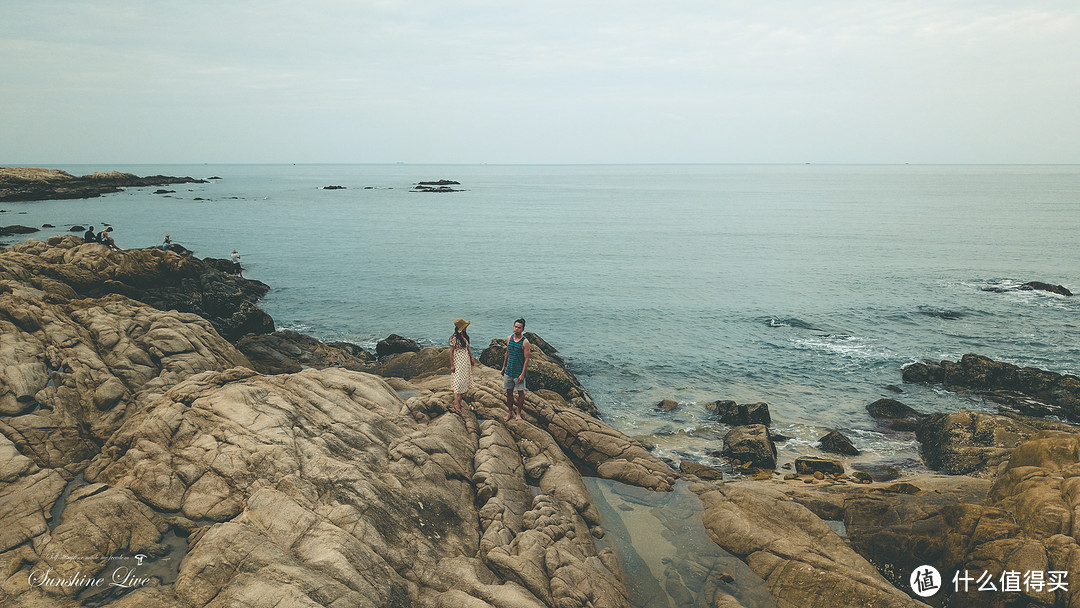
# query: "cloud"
[558,81]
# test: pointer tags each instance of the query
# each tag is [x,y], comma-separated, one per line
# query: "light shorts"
[510,382]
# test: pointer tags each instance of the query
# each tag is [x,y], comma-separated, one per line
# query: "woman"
[461,361]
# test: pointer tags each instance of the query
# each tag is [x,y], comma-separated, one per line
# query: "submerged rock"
[1061,290]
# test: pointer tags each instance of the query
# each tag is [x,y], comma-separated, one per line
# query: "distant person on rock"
[167,244]
[236,268]
[515,362]
[90,237]
[106,239]
[461,361]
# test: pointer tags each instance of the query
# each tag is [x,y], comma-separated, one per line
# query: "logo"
[925,581]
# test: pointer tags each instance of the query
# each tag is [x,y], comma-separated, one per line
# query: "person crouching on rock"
[106,239]
[167,244]
[515,361]
[461,361]
[236,268]
[90,237]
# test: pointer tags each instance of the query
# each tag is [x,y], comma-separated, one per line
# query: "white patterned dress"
[459,380]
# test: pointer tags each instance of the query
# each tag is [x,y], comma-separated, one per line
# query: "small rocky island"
[163,446]
[33,184]
[443,185]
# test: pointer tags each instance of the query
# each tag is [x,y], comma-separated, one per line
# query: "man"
[89,236]
[515,361]
[236,268]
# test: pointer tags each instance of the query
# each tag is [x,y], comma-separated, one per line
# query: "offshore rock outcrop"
[34,184]
[1027,389]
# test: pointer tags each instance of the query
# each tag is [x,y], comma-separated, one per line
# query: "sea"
[807,287]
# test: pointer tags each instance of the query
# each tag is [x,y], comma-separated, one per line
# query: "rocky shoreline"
[35,184]
[150,412]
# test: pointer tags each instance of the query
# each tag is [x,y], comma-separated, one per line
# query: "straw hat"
[460,324]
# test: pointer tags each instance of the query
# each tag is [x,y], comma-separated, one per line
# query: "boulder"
[736,414]
[894,414]
[700,471]
[667,405]
[123,424]
[836,443]
[808,465]
[751,444]
[395,344]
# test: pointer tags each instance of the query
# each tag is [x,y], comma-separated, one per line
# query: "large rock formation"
[66,267]
[33,184]
[140,434]
[1029,390]
[133,433]
[1020,532]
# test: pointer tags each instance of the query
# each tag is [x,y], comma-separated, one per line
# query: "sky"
[605,81]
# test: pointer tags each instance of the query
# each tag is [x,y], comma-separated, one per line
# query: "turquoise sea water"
[804,286]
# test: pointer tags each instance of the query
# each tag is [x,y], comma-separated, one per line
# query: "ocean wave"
[789,322]
[941,313]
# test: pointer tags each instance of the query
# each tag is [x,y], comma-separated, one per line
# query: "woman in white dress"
[461,361]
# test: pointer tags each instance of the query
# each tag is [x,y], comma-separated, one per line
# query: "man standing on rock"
[515,361]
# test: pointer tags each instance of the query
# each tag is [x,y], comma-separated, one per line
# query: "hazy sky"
[148,81]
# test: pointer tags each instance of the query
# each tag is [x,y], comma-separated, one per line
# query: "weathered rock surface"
[975,443]
[801,559]
[67,267]
[751,444]
[1030,390]
[33,184]
[547,370]
[288,352]
[126,428]
[1025,522]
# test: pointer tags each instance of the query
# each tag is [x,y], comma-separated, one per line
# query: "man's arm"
[525,364]
[506,355]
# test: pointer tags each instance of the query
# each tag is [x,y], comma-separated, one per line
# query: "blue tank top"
[516,359]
